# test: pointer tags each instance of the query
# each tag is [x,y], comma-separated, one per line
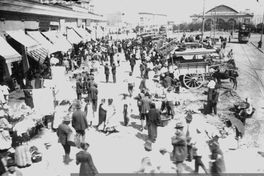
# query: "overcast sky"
[177,10]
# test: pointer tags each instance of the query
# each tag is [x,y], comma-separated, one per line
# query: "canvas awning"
[59,41]
[36,35]
[83,33]
[33,48]
[7,52]
[73,37]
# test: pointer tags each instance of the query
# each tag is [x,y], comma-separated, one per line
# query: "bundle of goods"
[19,112]
[164,119]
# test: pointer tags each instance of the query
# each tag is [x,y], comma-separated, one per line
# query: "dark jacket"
[153,117]
[78,87]
[145,107]
[62,132]
[92,93]
[87,167]
[113,69]
[132,61]
[215,97]
[167,81]
[79,121]
[106,68]
[179,148]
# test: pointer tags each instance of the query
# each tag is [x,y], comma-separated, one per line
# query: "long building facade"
[31,29]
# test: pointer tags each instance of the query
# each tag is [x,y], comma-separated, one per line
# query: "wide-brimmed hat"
[78,105]
[179,125]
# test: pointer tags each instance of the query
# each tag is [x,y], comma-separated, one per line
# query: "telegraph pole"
[203,21]
[262,28]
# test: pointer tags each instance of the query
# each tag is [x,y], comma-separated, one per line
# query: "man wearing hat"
[179,147]
[170,97]
[107,72]
[62,132]
[188,119]
[114,72]
[79,121]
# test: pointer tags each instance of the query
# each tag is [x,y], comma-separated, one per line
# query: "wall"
[16,25]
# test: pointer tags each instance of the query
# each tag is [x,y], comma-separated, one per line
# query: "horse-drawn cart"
[192,66]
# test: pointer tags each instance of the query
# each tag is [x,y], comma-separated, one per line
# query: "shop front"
[8,56]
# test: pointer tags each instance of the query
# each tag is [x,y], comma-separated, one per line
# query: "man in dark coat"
[79,121]
[84,158]
[62,132]
[132,62]
[114,72]
[79,88]
[93,96]
[153,119]
[107,72]
[212,101]
[179,147]
[111,54]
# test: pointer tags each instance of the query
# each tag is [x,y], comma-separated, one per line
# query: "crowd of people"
[154,103]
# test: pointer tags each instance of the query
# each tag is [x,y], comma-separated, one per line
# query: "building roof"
[148,13]
[222,8]
[31,7]
[223,11]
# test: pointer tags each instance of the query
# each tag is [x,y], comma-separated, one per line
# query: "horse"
[227,74]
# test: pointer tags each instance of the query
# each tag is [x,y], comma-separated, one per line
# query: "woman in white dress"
[111,118]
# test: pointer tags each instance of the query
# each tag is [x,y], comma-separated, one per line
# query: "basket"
[164,120]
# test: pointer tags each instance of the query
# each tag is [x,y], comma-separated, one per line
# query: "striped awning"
[7,52]
[36,35]
[33,48]
[59,41]
[73,37]
[83,33]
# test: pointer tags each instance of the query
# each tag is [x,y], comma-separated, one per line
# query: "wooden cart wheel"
[193,81]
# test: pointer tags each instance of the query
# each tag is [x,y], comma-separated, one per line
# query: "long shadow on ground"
[141,136]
